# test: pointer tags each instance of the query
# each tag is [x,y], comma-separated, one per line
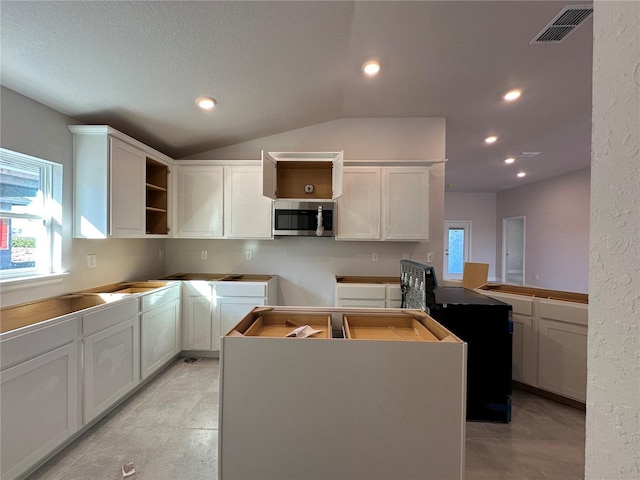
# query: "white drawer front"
[241,289]
[155,299]
[564,311]
[109,315]
[394,292]
[377,292]
[362,303]
[19,348]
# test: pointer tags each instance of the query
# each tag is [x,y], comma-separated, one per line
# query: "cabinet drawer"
[109,315]
[564,311]
[362,303]
[30,344]
[374,292]
[394,292]
[233,289]
[155,299]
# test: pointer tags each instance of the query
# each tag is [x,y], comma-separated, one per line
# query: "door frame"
[466,226]
[504,246]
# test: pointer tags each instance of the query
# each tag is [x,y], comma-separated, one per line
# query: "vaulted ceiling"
[277,66]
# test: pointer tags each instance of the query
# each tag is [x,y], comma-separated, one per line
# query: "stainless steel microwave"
[306,219]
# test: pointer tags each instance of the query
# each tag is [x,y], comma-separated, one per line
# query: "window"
[456,248]
[30,215]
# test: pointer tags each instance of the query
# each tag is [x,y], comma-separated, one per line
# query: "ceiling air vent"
[563,24]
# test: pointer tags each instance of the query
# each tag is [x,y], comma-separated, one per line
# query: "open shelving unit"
[157,201]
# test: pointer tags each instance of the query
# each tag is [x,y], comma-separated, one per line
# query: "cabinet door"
[159,337]
[198,328]
[562,358]
[359,206]
[39,408]
[111,366]
[269,176]
[230,310]
[200,202]
[522,366]
[405,203]
[247,213]
[127,190]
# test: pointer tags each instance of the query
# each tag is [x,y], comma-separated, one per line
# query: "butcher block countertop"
[367,279]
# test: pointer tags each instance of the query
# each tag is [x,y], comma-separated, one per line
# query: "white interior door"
[513,230]
[457,241]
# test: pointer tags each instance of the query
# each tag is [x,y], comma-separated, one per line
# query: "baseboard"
[570,402]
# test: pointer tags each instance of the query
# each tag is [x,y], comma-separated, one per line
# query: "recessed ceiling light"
[206,103]
[512,95]
[371,68]
[491,139]
[509,160]
[521,174]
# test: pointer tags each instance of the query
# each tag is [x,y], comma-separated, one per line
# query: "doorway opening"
[513,235]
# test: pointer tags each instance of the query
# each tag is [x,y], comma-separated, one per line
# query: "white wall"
[480,210]
[31,128]
[613,372]
[307,266]
[557,230]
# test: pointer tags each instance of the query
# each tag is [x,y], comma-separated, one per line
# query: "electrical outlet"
[248,255]
[375,257]
[203,255]
[92,261]
[429,257]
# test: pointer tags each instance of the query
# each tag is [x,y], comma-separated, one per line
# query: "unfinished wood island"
[384,400]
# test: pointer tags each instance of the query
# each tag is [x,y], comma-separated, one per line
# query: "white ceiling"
[278,66]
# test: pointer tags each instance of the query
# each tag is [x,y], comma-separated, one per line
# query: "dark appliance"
[307,219]
[486,325]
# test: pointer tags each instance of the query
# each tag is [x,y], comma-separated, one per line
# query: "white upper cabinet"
[359,208]
[127,200]
[121,186]
[302,175]
[247,213]
[200,201]
[216,201]
[384,203]
[405,206]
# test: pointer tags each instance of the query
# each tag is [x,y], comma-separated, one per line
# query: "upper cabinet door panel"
[127,189]
[268,176]
[337,178]
[359,207]
[406,203]
[200,202]
[247,213]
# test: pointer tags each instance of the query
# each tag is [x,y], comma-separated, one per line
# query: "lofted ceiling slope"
[278,66]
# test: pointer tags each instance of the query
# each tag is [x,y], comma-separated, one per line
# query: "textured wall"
[613,391]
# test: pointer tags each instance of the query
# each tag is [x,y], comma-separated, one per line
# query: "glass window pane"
[21,189]
[456,251]
[23,245]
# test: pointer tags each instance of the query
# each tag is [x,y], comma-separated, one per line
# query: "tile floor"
[169,429]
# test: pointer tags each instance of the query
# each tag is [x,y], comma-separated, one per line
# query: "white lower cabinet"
[40,408]
[549,343]
[111,366]
[199,332]
[522,365]
[230,310]
[159,337]
[562,356]
[368,295]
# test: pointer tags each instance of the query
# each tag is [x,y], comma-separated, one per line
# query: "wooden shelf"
[157,201]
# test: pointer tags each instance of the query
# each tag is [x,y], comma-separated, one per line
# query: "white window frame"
[49,212]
